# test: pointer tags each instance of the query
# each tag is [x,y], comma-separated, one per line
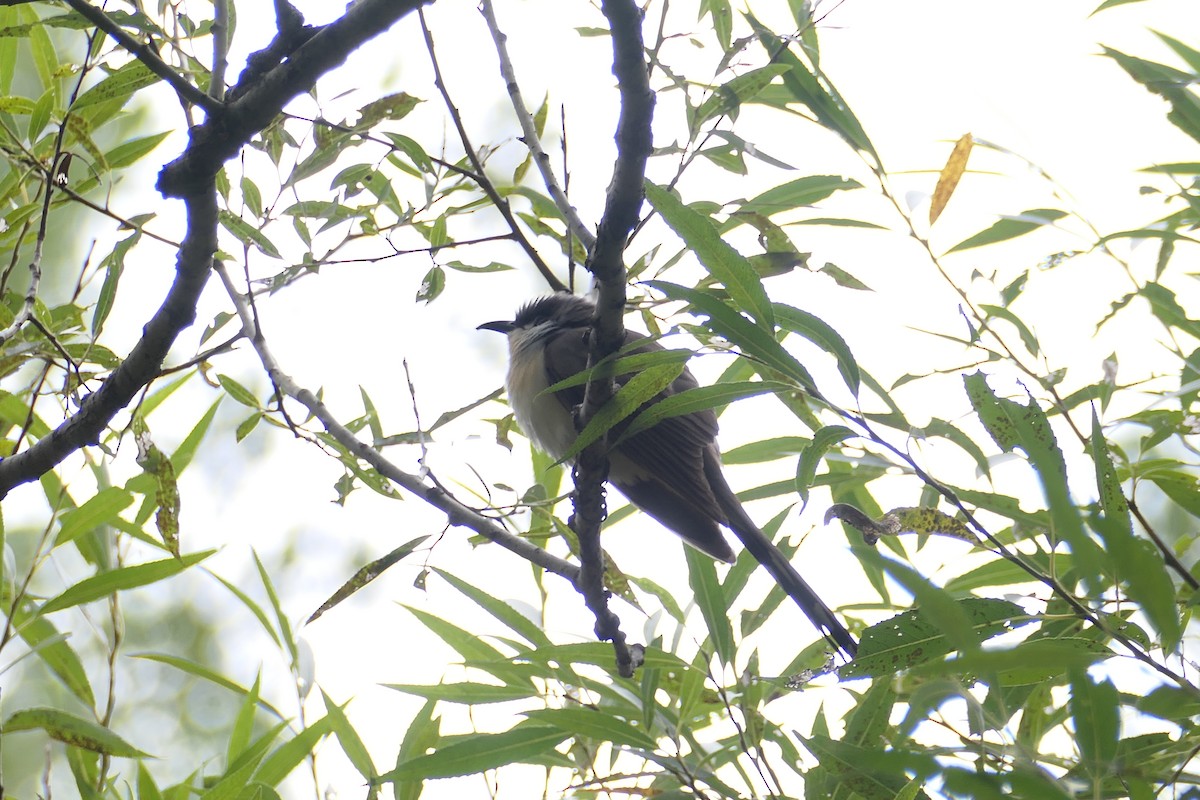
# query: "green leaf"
[480,752]
[638,390]
[52,648]
[752,339]
[118,86]
[766,450]
[1011,228]
[432,285]
[726,99]
[422,735]
[1027,338]
[238,392]
[1013,425]
[348,738]
[107,583]
[821,334]
[133,150]
[1171,84]
[810,457]
[702,577]
[593,724]
[513,619]
[1130,558]
[292,753]
[701,398]
[802,192]
[247,233]
[810,87]
[71,730]
[1094,710]
[100,509]
[205,673]
[724,263]
[916,638]
[466,692]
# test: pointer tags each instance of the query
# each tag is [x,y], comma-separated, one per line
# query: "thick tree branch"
[607,265]
[192,177]
[145,54]
[177,312]
[221,137]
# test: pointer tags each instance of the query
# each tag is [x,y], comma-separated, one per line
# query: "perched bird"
[671,470]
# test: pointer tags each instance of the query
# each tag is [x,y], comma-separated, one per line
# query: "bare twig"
[529,134]
[485,184]
[220,34]
[456,512]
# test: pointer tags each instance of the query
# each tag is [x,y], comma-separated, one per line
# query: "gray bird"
[672,470]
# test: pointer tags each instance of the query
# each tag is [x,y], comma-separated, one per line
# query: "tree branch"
[145,54]
[221,137]
[456,513]
[607,265]
[192,177]
[529,134]
[499,202]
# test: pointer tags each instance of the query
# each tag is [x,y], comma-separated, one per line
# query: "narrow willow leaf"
[726,98]
[800,193]
[810,457]
[367,574]
[701,398]
[120,85]
[1011,228]
[593,724]
[348,738]
[1132,560]
[724,263]
[45,641]
[292,753]
[702,577]
[821,334]
[515,620]
[71,730]
[107,583]
[628,398]
[1094,710]
[1013,425]
[750,338]
[100,509]
[479,752]
[466,692]
[206,673]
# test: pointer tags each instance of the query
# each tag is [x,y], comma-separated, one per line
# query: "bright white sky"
[919,75]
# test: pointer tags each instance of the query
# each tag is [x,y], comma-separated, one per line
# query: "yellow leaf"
[956,165]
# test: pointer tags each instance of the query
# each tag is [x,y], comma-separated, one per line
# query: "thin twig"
[220,34]
[529,134]
[499,202]
[456,512]
[145,54]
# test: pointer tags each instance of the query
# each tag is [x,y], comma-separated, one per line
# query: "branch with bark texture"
[192,177]
[607,265]
[456,512]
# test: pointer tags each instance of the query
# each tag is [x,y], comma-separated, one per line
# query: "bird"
[671,470]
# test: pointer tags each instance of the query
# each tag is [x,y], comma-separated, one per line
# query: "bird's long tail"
[774,561]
